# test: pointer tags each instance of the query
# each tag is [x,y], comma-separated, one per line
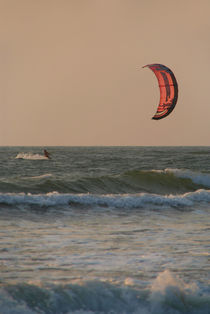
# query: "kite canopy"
[168,90]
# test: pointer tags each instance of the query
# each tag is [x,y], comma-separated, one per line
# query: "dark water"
[105,230]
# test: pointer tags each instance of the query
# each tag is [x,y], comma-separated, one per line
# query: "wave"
[122,201]
[195,177]
[168,181]
[31,156]
[42,176]
[168,294]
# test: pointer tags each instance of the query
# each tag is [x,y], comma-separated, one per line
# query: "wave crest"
[196,177]
[167,295]
[124,201]
[31,156]
[168,181]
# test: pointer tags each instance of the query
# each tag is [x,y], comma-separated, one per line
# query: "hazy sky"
[71,71]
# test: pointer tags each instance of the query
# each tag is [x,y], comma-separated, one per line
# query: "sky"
[71,72]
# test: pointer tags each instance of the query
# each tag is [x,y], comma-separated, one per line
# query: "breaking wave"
[124,201]
[168,294]
[168,181]
[31,156]
[195,177]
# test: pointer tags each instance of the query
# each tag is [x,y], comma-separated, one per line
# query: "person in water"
[46,154]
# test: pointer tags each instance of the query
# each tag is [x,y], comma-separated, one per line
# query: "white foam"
[170,291]
[42,176]
[141,200]
[168,294]
[31,156]
[196,177]
[167,279]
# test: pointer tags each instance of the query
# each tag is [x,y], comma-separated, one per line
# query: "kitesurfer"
[46,154]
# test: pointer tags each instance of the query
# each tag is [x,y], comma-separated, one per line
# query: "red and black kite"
[168,90]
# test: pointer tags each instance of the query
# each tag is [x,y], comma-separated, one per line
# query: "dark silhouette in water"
[46,154]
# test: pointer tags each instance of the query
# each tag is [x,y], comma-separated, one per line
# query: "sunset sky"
[71,71]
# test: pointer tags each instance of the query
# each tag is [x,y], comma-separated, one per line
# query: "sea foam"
[167,294]
[196,177]
[31,156]
[141,200]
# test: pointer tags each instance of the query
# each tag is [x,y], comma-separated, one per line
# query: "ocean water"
[105,230]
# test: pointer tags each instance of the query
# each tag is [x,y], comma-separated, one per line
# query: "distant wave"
[168,181]
[167,294]
[42,176]
[31,156]
[196,177]
[124,201]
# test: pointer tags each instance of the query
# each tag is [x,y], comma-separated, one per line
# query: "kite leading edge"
[168,90]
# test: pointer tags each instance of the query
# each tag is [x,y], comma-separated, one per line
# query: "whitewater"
[105,230]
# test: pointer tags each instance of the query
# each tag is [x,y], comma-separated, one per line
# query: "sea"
[105,230]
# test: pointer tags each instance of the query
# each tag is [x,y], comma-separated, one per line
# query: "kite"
[168,90]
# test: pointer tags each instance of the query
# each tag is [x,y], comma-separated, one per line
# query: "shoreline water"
[105,230]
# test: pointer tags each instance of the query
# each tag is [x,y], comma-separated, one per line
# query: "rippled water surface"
[105,230]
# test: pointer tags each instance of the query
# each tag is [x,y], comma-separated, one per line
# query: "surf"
[166,294]
[168,181]
[30,156]
[123,201]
